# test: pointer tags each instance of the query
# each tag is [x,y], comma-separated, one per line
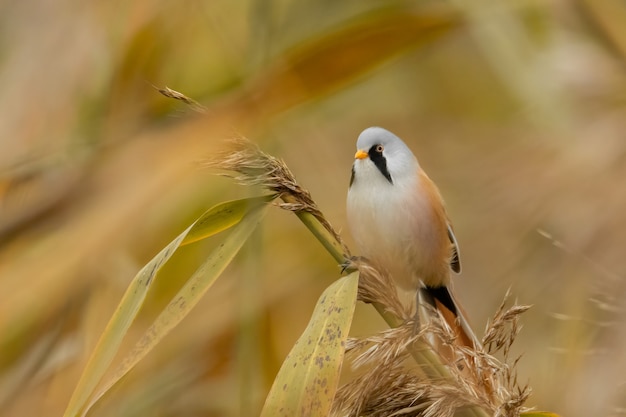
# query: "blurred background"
[516,109]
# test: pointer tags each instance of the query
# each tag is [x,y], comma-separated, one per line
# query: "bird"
[399,222]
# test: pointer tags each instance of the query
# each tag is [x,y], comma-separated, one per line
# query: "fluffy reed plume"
[376,287]
[257,168]
[391,384]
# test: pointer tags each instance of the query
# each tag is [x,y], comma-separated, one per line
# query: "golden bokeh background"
[516,109]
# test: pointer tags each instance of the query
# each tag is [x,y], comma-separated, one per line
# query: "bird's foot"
[350,264]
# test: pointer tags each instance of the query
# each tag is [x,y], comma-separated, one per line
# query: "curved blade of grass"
[538,414]
[188,296]
[117,327]
[224,215]
[308,378]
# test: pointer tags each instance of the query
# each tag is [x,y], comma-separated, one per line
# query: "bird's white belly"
[393,231]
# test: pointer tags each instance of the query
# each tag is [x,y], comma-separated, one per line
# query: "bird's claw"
[350,264]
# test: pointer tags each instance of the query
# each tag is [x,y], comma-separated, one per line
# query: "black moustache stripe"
[380,161]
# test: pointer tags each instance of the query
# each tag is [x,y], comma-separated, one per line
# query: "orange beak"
[360,154]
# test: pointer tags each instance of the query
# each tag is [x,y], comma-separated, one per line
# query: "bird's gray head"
[386,151]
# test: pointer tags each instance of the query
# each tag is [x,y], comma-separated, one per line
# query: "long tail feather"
[443,301]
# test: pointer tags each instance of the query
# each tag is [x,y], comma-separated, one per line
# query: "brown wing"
[455,260]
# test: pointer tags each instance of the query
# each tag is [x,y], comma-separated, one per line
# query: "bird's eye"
[379,148]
